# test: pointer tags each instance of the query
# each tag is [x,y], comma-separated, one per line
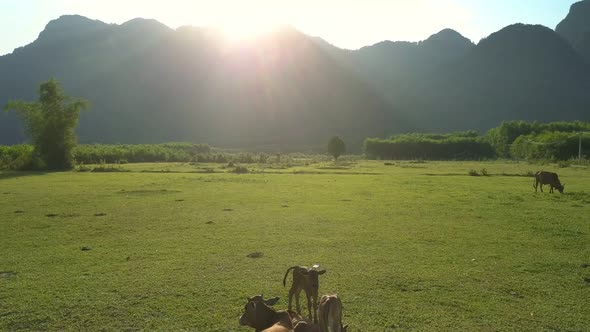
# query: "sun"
[239,30]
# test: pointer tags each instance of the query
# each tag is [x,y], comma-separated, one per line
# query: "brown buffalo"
[259,315]
[549,178]
[331,314]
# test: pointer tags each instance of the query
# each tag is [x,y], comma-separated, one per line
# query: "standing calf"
[549,178]
[306,279]
[331,314]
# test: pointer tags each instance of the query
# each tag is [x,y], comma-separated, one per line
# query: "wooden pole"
[580,149]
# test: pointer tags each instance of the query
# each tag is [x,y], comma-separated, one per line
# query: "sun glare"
[244,30]
[238,31]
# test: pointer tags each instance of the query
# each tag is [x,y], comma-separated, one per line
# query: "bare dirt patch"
[256,254]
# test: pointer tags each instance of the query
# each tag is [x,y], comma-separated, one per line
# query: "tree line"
[466,145]
[512,138]
[50,124]
[21,157]
[552,141]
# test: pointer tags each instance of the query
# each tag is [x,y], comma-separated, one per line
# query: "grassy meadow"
[409,246]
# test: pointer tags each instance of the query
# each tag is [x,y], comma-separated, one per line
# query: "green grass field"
[407,246]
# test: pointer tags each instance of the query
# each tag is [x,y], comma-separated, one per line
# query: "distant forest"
[556,141]
[512,139]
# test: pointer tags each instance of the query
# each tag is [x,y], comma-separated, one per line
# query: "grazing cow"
[306,279]
[259,315]
[549,178]
[331,314]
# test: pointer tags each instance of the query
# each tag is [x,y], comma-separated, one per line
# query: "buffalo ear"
[321,272]
[271,302]
[252,298]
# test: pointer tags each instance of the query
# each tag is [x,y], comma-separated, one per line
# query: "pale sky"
[345,23]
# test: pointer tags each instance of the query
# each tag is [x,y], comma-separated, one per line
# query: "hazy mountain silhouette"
[401,71]
[523,72]
[149,83]
[576,27]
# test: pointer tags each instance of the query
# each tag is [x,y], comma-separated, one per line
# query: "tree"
[50,124]
[336,147]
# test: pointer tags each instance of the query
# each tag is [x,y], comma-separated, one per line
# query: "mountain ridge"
[575,27]
[289,88]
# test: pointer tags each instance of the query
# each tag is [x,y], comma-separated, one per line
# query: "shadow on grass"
[18,174]
[467,174]
[578,196]
[333,173]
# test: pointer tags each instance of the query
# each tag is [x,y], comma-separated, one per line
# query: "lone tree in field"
[336,147]
[50,124]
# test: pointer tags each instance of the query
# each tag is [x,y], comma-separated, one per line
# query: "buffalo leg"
[297,302]
[291,293]
[315,309]
[309,308]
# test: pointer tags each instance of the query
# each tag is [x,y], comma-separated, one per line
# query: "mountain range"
[148,83]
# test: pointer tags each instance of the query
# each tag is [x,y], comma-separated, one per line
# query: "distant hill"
[148,83]
[402,72]
[576,27]
[522,72]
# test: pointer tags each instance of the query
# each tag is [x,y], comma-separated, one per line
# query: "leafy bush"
[127,153]
[19,157]
[241,170]
[83,168]
[108,169]
[473,172]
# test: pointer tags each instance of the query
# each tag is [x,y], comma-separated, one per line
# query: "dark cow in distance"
[549,178]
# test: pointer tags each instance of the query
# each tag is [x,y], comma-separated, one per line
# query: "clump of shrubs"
[107,169]
[241,170]
[84,168]
[102,168]
[20,157]
[483,172]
